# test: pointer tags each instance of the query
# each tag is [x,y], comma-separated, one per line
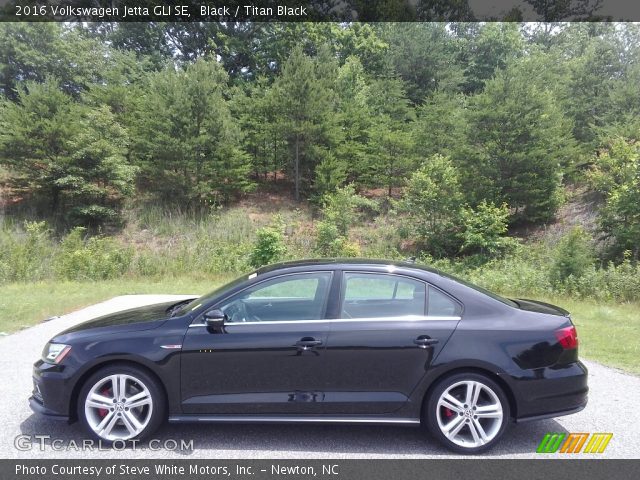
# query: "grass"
[25,304]
[608,332]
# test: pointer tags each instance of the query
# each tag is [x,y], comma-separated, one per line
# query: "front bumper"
[52,386]
[38,407]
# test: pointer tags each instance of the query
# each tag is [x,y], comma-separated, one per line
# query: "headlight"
[55,352]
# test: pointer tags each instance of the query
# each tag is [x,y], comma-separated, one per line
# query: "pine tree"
[441,125]
[186,140]
[391,149]
[354,116]
[305,95]
[72,155]
[522,142]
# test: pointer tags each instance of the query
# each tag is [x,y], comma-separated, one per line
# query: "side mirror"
[214,318]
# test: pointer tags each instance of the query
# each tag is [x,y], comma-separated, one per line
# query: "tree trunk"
[55,201]
[297,168]
[265,158]
[275,158]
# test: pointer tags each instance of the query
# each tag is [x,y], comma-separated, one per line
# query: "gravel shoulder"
[613,407]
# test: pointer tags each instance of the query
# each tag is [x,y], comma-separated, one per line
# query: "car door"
[384,340]
[268,357]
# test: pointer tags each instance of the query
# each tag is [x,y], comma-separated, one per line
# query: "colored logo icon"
[574,443]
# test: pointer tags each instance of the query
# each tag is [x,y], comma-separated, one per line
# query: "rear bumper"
[549,392]
[551,415]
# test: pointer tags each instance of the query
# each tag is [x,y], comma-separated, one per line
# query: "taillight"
[567,337]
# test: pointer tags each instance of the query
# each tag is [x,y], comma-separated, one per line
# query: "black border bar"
[445,469]
[318,10]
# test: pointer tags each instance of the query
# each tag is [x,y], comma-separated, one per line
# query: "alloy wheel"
[469,413]
[118,407]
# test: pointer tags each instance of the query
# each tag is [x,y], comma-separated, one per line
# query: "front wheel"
[121,402]
[467,412]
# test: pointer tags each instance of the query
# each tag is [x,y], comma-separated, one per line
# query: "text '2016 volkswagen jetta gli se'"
[341,341]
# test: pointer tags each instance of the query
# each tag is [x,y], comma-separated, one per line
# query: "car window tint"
[299,288]
[285,298]
[369,295]
[441,304]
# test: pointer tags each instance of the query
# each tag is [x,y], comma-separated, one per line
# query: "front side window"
[371,295]
[286,298]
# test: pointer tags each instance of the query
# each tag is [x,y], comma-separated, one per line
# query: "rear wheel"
[121,402]
[467,412]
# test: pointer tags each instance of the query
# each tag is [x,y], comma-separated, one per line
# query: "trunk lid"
[540,307]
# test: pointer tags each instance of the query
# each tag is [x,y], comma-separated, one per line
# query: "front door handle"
[424,341]
[307,343]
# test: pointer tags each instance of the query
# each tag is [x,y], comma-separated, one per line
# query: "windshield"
[204,299]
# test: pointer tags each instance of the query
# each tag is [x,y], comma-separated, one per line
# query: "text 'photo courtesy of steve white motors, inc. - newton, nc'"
[189,469]
[133,12]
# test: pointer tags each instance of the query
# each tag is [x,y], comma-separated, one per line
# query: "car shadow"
[252,440]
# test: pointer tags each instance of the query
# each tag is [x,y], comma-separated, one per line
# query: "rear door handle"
[424,341]
[308,343]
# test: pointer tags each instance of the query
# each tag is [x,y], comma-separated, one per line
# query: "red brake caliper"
[103,411]
[448,413]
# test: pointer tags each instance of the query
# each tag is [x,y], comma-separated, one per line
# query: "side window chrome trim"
[349,320]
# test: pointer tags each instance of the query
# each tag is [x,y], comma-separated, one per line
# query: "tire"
[463,425]
[106,417]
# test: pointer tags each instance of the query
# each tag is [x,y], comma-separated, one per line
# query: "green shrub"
[381,239]
[226,242]
[225,258]
[613,282]
[328,241]
[485,229]
[623,281]
[343,207]
[269,245]
[350,249]
[573,256]
[432,202]
[95,258]
[25,255]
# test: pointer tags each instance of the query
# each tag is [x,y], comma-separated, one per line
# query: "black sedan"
[338,341]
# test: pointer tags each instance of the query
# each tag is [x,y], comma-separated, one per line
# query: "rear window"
[488,293]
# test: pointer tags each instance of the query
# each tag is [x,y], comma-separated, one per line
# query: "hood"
[540,307]
[134,319]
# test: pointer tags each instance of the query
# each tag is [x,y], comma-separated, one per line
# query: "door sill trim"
[291,419]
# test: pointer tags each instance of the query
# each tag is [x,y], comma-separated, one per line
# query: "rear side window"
[442,305]
[371,295]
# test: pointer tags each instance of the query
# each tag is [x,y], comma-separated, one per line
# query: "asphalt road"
[614,406]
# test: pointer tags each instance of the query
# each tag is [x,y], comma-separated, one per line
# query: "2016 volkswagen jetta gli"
[342,341]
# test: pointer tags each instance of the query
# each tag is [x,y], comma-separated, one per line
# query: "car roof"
[471,296]
[345,262]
